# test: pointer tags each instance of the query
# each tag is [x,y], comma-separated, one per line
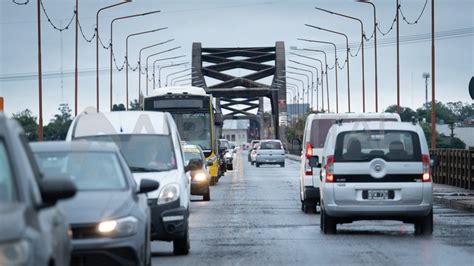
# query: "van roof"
[121,122]
[191,90]
[354,115]
[376,125]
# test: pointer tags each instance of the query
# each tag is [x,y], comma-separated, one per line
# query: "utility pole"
[40,75]
[76,56]
[398,56]
[433,99]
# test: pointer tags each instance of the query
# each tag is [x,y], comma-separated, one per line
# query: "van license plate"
[377,194]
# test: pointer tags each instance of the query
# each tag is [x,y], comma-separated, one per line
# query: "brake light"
[254,151]
[426,168]
[330,169]
[309,150]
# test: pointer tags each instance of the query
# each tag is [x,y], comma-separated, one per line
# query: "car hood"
[12,221]
[93,206]
[163,178]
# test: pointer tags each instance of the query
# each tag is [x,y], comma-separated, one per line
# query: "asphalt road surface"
[254,218]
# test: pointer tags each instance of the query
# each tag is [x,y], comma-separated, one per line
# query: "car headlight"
[228,155]
[15,252]
[200,177]
[119,228]
[169,193]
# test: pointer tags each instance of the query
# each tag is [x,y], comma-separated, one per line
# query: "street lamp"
[97,45]
[126,56]
[180,77]
[148,58]
[362,44]
[168,66]
[112,49]
[335,67]
[312,79]
[174,73]
[322,81]
[375,51]
[140,62]
[299,80]
[307,79]
[347,60]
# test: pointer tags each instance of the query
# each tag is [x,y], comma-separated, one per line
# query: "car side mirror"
[210,162]
[148,185]
[314,161]
[55,189]
[194,164]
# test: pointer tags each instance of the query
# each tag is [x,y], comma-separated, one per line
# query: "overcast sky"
[231,23]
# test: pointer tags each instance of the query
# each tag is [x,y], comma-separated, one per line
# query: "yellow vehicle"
[193,113]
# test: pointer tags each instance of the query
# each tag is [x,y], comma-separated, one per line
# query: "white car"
[316,129]
[270,151]
[376,171]
[151,145]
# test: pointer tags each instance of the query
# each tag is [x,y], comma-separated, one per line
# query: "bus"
[193,112]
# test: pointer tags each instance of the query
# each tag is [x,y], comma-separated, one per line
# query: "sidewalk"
[454,197]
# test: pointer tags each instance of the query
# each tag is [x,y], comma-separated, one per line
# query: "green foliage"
[118,107]
[406,113]
[453,143]
[135,105]
[28,122]
[59,125]
[442,113]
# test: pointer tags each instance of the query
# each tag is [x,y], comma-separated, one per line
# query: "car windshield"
[224,144]
[270,145]
[363,146]
[188,155]
[7,186]
[143,152]
[88,170]
[194,128]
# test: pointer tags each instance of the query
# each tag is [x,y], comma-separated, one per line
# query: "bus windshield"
[194,128]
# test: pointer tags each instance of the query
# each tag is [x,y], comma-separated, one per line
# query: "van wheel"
[282,165]
[328,223]
[181,246]
[424,226]
[257,164]
[251,162]
[207,196]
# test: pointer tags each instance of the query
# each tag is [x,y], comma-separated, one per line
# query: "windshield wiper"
[144,169]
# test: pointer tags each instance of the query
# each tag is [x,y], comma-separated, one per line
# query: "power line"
[21,3]
[417,19]
[51,22]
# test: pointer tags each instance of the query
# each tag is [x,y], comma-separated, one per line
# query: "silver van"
[375,171]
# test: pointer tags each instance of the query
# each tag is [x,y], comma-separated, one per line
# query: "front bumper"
[169,221]
[199,188]
[108,251]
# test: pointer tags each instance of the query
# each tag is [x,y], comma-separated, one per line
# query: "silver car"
[376,171]
[270,152]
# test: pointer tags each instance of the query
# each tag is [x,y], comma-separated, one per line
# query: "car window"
[319,131]
[144,152]
[270,145]
[357,146]
[188,155]
[33,180]
[8,191]
[88,170]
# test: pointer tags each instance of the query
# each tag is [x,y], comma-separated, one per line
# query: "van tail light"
[330,169]
[309,150]
[426,168]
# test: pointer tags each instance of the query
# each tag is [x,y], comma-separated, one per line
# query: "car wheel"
[230,167]
[424,226]
[207,196]
[251,162]
[181,246]
[329,224]
[282,165]
[257,164]
[212,182]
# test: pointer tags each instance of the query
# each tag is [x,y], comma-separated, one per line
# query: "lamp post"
[140,62]
[168,66]
[174,73]
[307,82]
[126,58]
[148,58]
[172,81]
[312,80]
[97,46]
[40,75]
[175,83]
[347,60]
[335,67]
[362,35]
[322,81]
[302,86]
[310,87]
[322,73]
[112,48]
[76,57]
[375,52]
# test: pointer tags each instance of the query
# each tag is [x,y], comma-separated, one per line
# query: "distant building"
[235,131]
[294,109]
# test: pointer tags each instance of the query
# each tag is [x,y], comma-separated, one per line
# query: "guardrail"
[455,167]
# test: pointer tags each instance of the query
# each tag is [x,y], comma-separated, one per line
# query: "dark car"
[109,216]
[33,231]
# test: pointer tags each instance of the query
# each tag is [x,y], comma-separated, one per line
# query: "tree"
[135,105]
[118,107]
[59,125]
[442,113]
[28,122]
[406,113]
[461,110]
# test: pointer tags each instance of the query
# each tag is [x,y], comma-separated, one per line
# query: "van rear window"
[390,145]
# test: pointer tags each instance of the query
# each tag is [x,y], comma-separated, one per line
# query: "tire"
[230,167]
[212,182]
[207,196]
[424,226]
[257,164]
[282,165]
[329,224]
[181,246]
[251,162]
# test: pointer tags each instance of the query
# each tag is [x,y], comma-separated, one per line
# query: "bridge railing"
[455,167]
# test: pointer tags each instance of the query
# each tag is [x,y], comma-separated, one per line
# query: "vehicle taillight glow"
[426,168]
[309,150]
[330,169]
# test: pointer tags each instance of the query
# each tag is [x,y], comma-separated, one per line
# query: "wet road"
[254,218]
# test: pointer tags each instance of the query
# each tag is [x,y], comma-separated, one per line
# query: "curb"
[292,157]
[455,204]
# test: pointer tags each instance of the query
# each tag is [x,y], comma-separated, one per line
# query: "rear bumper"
[378,211]
[270,159]
[199,188]
[168,221]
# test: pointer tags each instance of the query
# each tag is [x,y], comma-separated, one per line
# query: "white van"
[315,131]
[376,171]
[151,145]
